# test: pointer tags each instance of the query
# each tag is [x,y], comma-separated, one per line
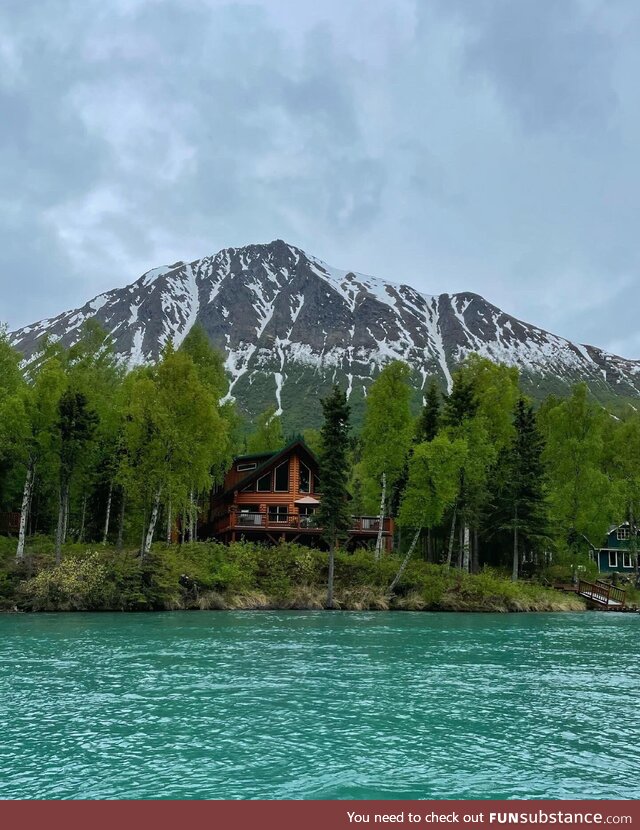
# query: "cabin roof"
[270,458]
[251,455]
[617,527]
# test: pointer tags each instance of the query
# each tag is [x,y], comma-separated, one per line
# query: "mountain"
[290,325]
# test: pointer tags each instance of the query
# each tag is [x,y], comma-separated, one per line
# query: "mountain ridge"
[290,325]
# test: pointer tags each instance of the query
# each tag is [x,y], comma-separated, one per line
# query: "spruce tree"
[462,403]
[429,421]
[521,504]
[333,514]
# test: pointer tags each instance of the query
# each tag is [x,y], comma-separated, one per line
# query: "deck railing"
[601,592]
[270,520]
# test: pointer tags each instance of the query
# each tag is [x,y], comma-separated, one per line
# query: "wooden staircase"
[602,595]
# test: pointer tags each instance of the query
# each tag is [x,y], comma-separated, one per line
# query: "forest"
[97,458]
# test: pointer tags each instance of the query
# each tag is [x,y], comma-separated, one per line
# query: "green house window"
[613,559]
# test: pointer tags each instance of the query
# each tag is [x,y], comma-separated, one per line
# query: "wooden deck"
[602,595]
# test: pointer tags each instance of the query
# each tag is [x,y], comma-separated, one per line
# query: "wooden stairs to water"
[602,595]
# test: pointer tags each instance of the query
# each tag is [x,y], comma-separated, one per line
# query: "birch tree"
[35,416]
[386,435]
[434,475]
[174,436]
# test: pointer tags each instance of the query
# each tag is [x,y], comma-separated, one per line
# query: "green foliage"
[434,476]
[388,426]
[75,584]
[268,436]
[209,362]
[580,493]
[429,420]
[333,513]
[520,504]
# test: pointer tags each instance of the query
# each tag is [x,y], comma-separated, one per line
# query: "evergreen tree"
[209,362]
[521,504]
[333,513]
[461,403]
[429,420]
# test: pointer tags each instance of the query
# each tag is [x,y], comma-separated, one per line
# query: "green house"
[619,552]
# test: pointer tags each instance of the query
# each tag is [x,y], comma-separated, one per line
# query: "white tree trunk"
[169,522]
[152,524]
[405,562]
[26,507]
[191,515]
[378,553]
[452,535]
[466,559]
[107,518]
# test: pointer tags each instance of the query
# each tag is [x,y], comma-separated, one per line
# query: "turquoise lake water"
[319,705]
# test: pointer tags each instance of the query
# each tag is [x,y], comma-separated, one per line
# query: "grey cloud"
[486,146]
[551,62]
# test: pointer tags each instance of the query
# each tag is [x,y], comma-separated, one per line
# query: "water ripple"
[315,705]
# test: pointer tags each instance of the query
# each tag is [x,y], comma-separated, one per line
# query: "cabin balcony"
[244,522]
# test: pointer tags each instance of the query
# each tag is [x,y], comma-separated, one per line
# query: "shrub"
[75,584]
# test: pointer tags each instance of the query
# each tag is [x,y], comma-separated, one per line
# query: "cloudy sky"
[482,145]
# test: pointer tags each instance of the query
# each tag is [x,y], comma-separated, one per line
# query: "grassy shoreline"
[210,576]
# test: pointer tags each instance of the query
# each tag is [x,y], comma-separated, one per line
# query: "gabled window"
[281,477]
[305,478]
[613,558]
[250,488]
[316,484]
[242,468]
[622,533]
[264,483]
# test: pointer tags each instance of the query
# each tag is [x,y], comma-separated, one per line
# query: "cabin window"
[305,478]
[613,559]
[626,560]
[281,476]
[278,514]
[264,483]
[622,533]
[242,468]
[250,488]
[316,484]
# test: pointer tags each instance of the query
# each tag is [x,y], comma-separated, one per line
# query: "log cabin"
[273,496]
